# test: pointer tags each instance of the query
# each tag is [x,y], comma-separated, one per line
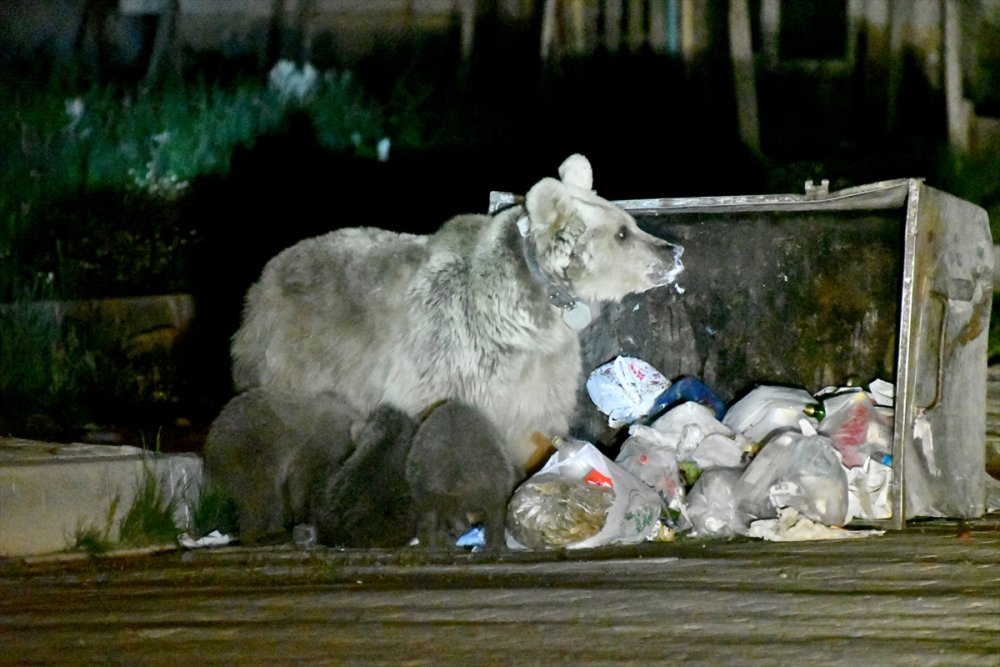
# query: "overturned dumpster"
[890,280]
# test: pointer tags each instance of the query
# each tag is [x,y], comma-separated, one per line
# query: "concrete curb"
[50,492]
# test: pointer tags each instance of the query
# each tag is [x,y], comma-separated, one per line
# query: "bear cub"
[460,472]
[268,451]
[366,503]
[361,481]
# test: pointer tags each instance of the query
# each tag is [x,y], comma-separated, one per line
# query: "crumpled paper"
[213,539]
[790,526]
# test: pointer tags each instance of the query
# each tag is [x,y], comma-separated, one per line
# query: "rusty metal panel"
[890,280]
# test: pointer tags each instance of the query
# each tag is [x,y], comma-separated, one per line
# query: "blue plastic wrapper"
[473,538]
[686,389]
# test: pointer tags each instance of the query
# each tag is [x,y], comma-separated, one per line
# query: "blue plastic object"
[883,458]
[682,390]
[472,538]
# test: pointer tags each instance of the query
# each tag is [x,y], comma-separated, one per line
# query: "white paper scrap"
[213,539]
[790,526]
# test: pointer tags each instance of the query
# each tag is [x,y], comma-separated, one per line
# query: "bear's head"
[592,248]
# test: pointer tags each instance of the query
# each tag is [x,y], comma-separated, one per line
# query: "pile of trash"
[780,463]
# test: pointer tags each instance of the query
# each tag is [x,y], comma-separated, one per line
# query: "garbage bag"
[868,489]
[580,498]
[858,428]
[796,470]
[625,389]
[687,433]
[693,431]
[769,408]
[652,458]
[714,504]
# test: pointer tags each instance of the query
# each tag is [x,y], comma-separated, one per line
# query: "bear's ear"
[576,171]
[550,205]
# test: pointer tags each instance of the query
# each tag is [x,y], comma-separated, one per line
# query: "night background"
[151,148]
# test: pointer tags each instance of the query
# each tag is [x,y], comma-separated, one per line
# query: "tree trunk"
[164,63]
[741,52]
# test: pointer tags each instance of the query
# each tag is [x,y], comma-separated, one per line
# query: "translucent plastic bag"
[549,511]
[799,471]
[770,408]
[856,426]
[686,427]
[625,389]
[868,488]
[688,432]
[650,457]
[580,498]
[714,504]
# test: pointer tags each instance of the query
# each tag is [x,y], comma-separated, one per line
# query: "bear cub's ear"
[577,172]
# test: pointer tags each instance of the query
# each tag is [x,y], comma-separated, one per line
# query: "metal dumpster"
[891,280]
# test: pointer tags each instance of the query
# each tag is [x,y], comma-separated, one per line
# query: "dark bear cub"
[459,473]
[361,481]
[366,503]
[268,451]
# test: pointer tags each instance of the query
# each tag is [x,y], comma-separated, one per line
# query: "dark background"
[836,99]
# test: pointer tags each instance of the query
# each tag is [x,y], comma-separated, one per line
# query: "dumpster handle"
[939,371]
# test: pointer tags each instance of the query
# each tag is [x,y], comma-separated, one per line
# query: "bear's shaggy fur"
[270,451]
[459,472]
[473,312]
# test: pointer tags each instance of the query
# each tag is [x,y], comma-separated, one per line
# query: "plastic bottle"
[578,467]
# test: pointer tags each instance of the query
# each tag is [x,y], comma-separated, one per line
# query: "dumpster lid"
[882,194]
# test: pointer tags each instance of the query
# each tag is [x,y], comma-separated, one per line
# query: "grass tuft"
[150,519]
[215,511]
[93,540]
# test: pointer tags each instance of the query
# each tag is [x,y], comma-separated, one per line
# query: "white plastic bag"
[687,426]
[868,488]
[688,432]
[713,504]
[625,389]
[769,408]
[883,393]
[579,499]
[800,471]
[652,459]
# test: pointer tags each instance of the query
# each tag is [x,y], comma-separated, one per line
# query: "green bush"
[69,157]
[93,539]
[45,369]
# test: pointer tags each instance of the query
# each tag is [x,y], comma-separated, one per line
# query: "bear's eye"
[622,233]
